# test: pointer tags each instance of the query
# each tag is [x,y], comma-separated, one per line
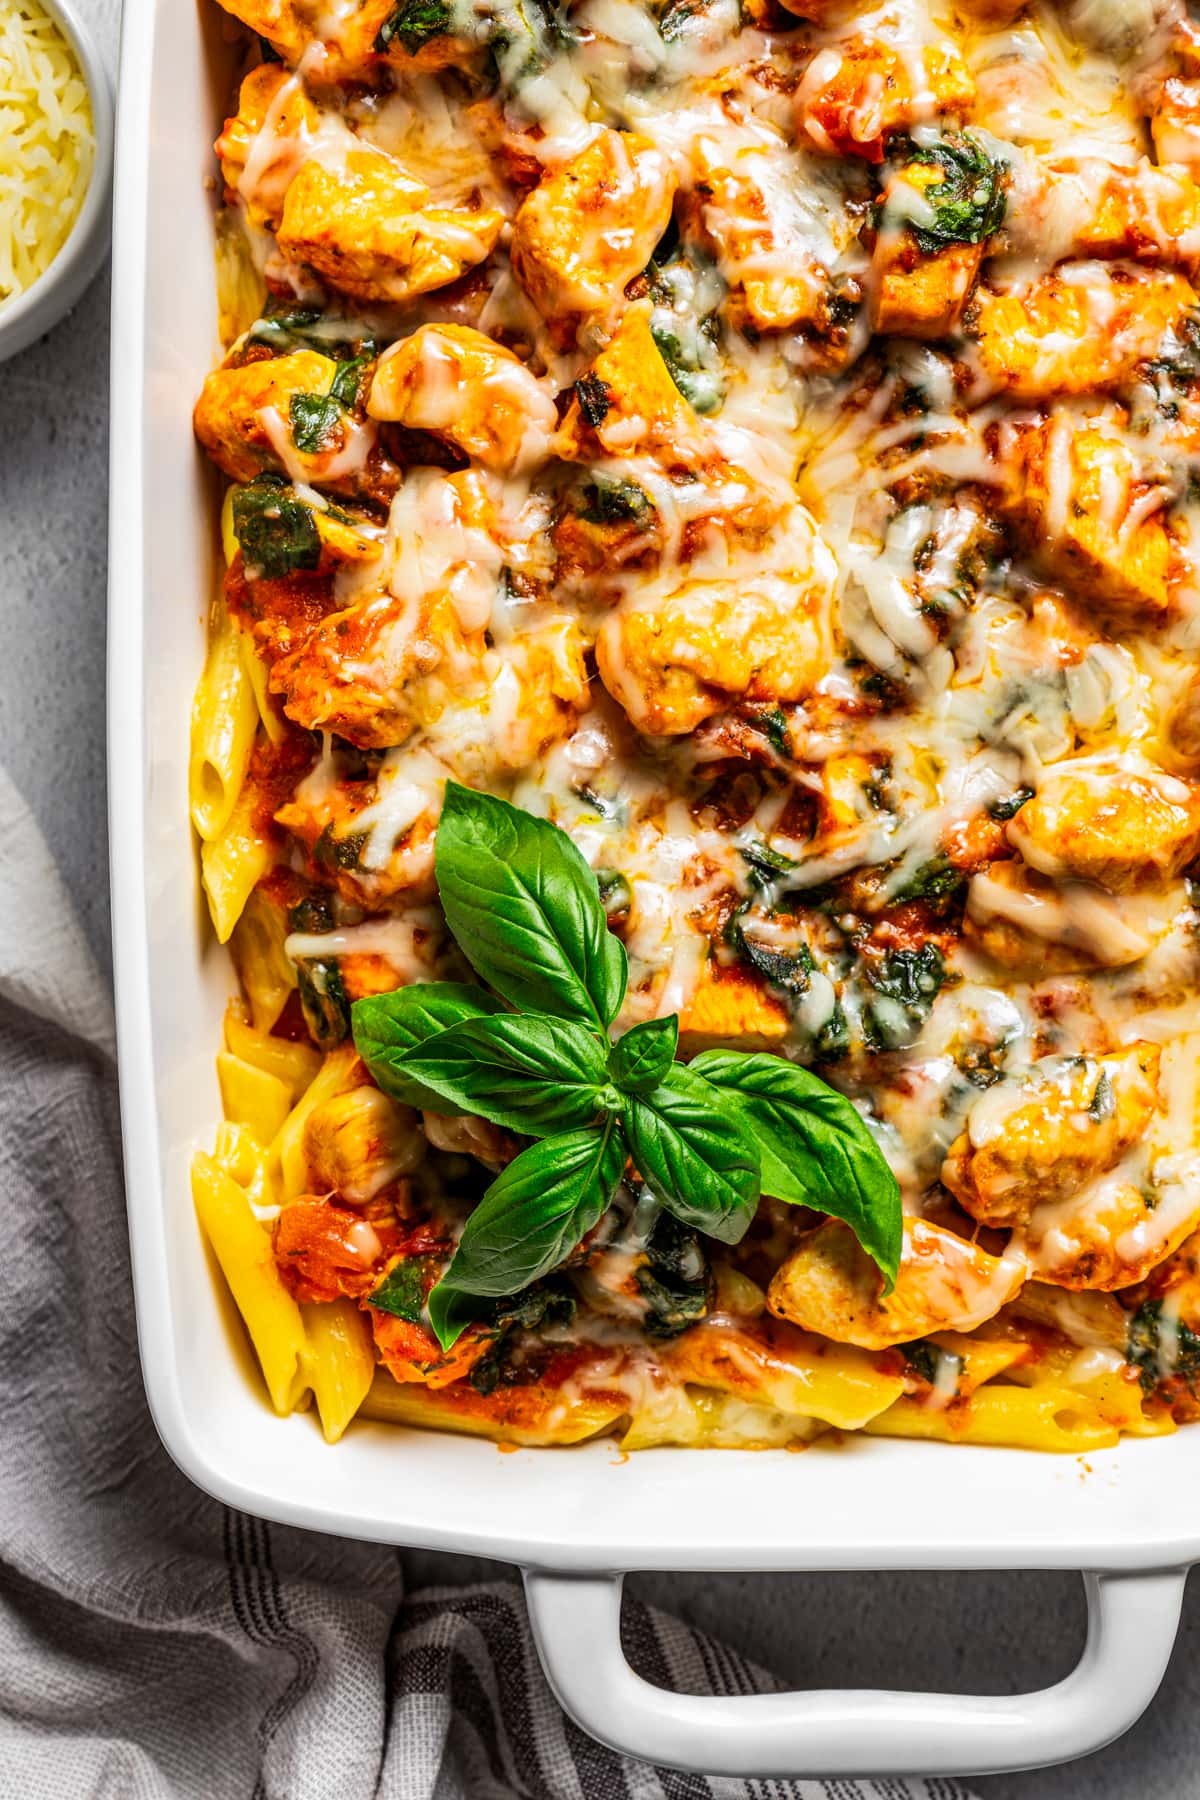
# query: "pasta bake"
[698,758]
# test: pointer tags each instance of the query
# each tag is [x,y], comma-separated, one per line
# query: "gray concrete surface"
[981,1633]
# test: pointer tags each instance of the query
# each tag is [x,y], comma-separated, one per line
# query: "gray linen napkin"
[155,1645]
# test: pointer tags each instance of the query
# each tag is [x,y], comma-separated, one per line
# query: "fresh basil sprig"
[705,1138]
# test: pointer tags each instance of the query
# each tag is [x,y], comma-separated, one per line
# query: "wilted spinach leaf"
[276,532]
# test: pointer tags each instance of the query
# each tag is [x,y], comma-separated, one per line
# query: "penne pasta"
[243,1250]
[256,675]
[244,1159]
[224,722]
[252,1096]
[798,1375]
[338,1362]
[1042,1418]
[232,864]
[287,1161]
[267,974]
[564,1421]
[699,1419]
[293,1064]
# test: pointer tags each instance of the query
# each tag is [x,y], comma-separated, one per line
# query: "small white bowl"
[31,314]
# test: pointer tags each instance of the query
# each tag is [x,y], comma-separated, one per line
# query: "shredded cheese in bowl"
[47,146]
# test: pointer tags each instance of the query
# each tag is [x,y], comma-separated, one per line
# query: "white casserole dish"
[572,1518]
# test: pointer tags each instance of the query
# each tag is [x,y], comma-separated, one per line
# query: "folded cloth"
[156,1644]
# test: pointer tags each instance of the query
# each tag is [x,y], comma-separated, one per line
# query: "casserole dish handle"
[1132,1621]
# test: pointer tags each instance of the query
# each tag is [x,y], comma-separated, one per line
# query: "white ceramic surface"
[574,1517]
[30,315]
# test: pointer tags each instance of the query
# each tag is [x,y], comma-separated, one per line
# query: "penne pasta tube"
[244,1160]
[295,1065]
[699,1419]
[559,1421]
[1046,1418]
[252,1096]
[264,968]
[232,864]
[224,723]
[287,1162]
[339,1362]
[243,1250]
[798,1374]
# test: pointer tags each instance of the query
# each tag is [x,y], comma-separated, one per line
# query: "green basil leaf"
[388,1026]
[315,421]
[533,1074]
[525,907]
[694,1155]
[529,1221]
[453,1311]
[638,1061]
[816,1148]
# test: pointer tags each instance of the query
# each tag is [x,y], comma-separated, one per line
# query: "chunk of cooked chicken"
[855,94]
[746,206]
[376,669]
[915,293]
[1041,1137]
[359,1143]
[589,228]
[368,230]
[627,404]
[379,668]
[730,1010]
[406,1345]
[1112,1233]
[1090,515]
[400,32]
[1116,823]
[1175,100]
[269,92]
[352,43]
[829,1285]
[283,24]
[1175,121]
[673,663]
[921,296]
[1084,327]
[464,1134]
[609,527]
[1144,212]
[465,388]
[1034,927]
[1181,727]
[345,853]
[229,415]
